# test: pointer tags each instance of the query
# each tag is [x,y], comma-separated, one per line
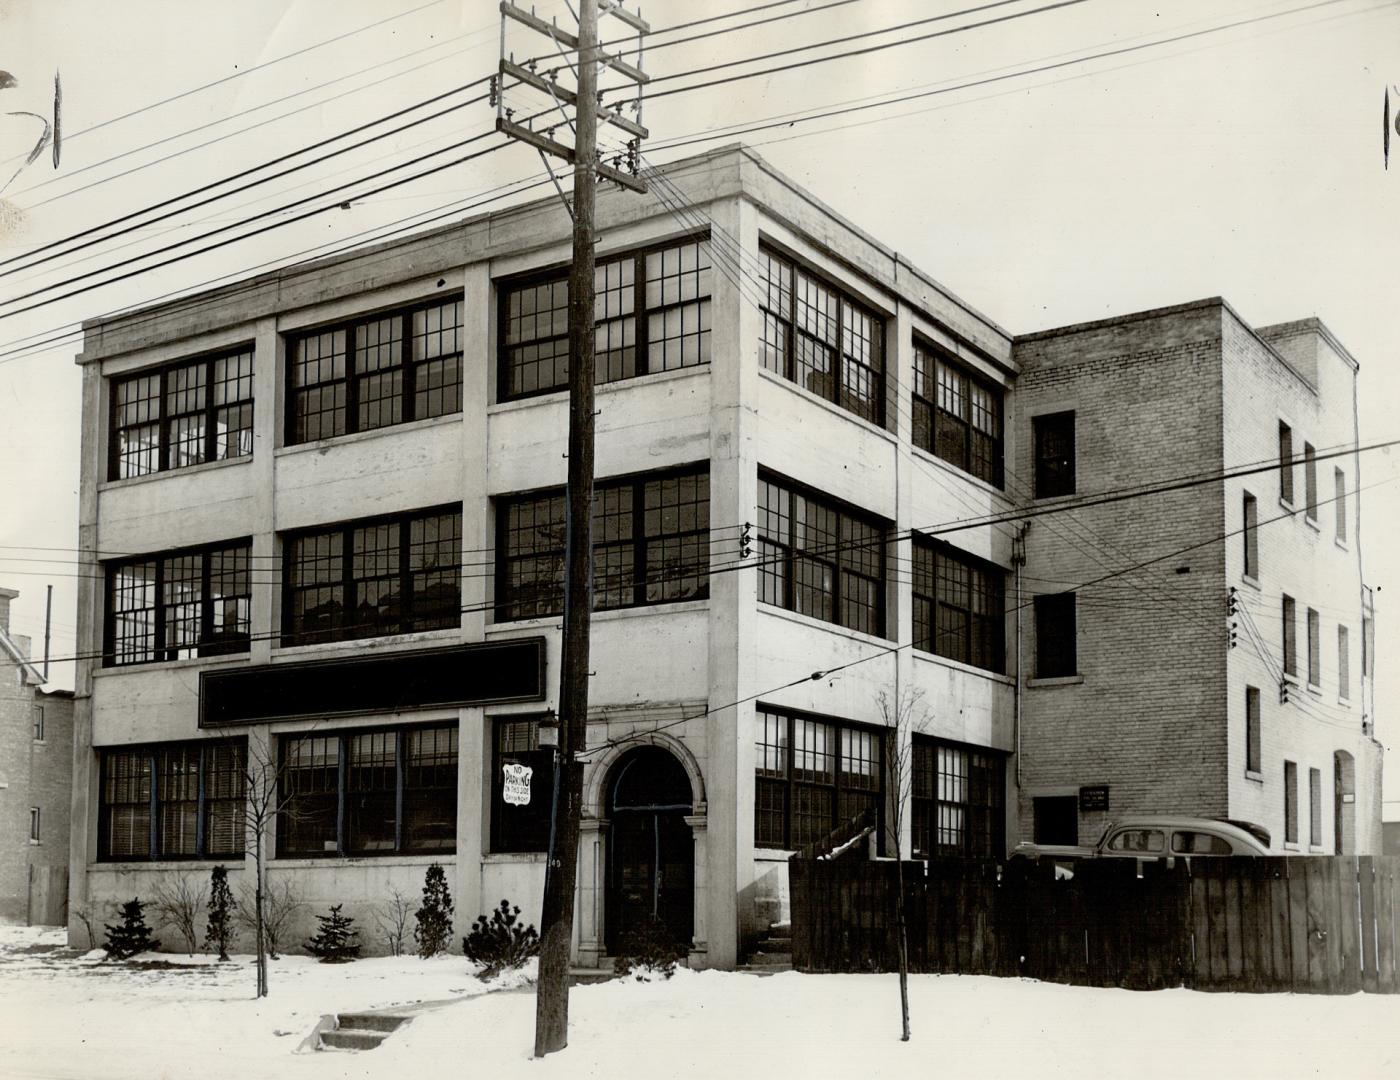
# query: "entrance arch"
[651,847]
[1344,802]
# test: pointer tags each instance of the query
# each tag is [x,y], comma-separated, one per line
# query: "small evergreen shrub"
[220,926]
[433,931]
[131,935]
[649,950]
[500,943]
[335,942]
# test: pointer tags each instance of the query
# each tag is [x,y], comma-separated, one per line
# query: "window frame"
[407,364]
[1253,730]
[505,840]
[163,418]
[1314,649]
[345,739]
[1343,662]
[787,297]
[639,544]
[1315,807]
[928,416]
[927,804]
[152,752]
[207,643]
[788,556]
[981,574]
[1339,479]
[1055,475]
[1290,802]
[1251,536]
[1290,636]
[1285,464]
[1047,607]
[37,723]
[791,783]
[346,584]
[1310,482]
[36,835]
[640,314]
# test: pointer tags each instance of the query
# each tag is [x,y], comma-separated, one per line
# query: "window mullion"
[406,597]
[790,360]
[206,601]
[400,783]
[342,771]
[158,649]
[210,412]
[152,832]
[347,582]
[641,333]
[791,807]
[839,366]
[410,376]
[640,569]
[163,425]
[200,840]
[352,385]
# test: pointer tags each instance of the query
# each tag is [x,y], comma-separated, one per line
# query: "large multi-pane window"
[1056,638]
[651,312]
[178,604]
[521,827]
[959,606]
[1054,454]
[373,577]
[172,801]
[373,372]
[182,414]
[957,415]
[821,338]
[958,798]
[650,545]
[819,558]
[374,792]
[813,775]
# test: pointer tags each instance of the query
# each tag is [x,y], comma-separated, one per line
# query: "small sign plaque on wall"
[516,790]
[1093,798]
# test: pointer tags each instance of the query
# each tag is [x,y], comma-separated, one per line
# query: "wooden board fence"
[1276,924]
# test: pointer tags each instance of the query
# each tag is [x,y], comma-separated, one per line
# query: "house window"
[1368,647]
[372,577]
[173,801]
[1253,758]
[377,792]
[1340,480]
[1314,648]
[521,827]
[178,604]
[1315,807]
[1055,634]
[813,775]
[372,373]
[1310,480]
[651,312]
[1290,636]
[1285,463]
[1343,663]
[958,795]
[819,337]
[650,545]
[959,606]
[1290,802]
[182,414]
[957,416]
[35,836]
[1054,455]
[820,559]
[1251,536]
[37,717]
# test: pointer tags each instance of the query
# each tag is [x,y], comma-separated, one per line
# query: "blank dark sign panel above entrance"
[389,682]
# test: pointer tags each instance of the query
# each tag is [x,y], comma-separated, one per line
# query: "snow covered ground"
[67,1015]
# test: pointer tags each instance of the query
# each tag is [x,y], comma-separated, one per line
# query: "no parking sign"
[517,783]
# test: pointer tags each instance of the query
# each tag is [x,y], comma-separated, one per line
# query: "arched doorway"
[651,848]
[1344,802]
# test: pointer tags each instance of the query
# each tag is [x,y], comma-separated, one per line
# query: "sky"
[1245,162]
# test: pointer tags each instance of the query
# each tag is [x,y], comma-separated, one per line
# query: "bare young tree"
[85,915]
[178,902]
[391,919]
[267,797]
[280,902]
[899,720]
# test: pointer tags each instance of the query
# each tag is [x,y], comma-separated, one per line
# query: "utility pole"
[561,868]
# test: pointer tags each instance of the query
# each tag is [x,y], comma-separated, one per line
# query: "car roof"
[1181,821]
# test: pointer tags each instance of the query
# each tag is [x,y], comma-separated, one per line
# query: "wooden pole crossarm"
[636,22]
[548,86]
[558,149]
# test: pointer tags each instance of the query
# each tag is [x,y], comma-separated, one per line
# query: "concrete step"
[764,958]
[372,1021]
[764,968]
[586,976]
[776,944]
[352,1039]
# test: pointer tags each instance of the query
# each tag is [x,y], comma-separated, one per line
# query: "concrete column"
[268,410]
[592,873]
[726,901]
[473,803]
[699,942]
[899,356]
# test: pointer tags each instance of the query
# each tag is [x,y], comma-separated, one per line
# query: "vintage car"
[1156,836]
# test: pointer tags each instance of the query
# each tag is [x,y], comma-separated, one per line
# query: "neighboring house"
[343,485]
[36,769]
[1230,679]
